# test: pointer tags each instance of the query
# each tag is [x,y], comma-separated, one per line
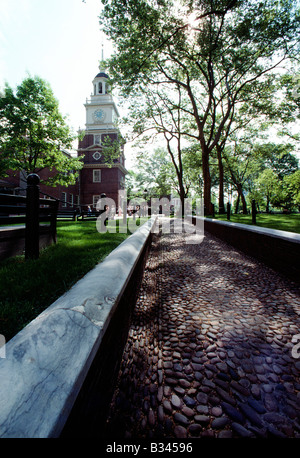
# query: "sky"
[59,41]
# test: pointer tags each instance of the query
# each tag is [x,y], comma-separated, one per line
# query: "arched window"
[100,88]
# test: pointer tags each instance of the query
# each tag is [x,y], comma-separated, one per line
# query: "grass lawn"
[290,223]
[27,288]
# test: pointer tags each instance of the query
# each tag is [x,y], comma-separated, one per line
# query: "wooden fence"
[34,221]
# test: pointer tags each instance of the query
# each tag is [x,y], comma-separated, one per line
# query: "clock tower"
[101,174]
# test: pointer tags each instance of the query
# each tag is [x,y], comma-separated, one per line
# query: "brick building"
[97,175]
[15,183]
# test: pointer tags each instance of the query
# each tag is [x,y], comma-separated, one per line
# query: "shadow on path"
[209,349]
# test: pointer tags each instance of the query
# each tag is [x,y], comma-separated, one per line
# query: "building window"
[100,88]
[64,199]
[97,139]
[71,200]
[97,176]
[95,200]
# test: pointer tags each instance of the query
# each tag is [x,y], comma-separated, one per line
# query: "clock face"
[98,115]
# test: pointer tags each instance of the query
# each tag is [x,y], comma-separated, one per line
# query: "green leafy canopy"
[33,133]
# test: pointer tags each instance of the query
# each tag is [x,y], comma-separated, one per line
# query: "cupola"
[100,83]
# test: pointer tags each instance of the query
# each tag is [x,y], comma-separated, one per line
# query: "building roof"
[101,74]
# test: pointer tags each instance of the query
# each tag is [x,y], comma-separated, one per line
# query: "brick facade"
[15,183]
[96,176]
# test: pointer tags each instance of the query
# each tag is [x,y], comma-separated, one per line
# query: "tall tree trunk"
[241,195]
[206,183]
[221,182]
[182,196]
[179,173]
[239,189]
[236,210]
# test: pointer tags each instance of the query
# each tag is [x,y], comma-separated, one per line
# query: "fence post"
[253,211]
[53,221]
[32,239]
[228,211]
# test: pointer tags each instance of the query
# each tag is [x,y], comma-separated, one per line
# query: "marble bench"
[277,249]
[47,363]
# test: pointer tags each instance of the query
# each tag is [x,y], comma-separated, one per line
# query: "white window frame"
[64,199]
[95,173]
[95,200]
[71,200]
[95,142]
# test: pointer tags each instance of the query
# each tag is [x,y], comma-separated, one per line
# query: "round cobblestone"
[176,402]
[208,352]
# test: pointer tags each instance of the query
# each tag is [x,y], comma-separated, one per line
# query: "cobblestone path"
[209,352]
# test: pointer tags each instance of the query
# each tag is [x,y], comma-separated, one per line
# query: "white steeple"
[101,110]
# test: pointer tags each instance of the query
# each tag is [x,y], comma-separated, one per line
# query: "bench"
[65,215]
[278,249]
[31,222]
[88,215]
[58,375]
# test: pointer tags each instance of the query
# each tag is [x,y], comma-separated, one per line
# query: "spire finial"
[101,62]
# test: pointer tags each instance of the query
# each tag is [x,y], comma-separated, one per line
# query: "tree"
[268,185]
[155,174]
[160,115]
[285,110]
[33,133]
[278,181]
[221,61]
[292,182]
[238,163]
[280,159]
